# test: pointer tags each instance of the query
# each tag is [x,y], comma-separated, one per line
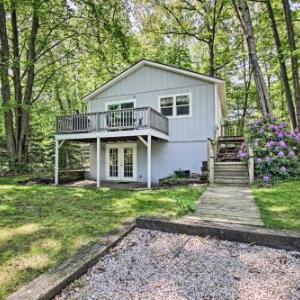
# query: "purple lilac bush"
[276,149]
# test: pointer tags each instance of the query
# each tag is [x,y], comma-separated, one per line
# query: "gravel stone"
[154,265]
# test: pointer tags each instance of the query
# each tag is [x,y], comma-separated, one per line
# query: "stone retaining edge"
[49,284]
[279,239]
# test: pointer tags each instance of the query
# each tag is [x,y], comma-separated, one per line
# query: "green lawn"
[280,205]
[41,225]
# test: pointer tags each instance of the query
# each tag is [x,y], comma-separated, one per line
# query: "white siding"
[187,147]
[148,83]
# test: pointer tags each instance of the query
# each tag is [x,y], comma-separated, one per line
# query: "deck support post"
[56,163]
[57,146]
[98,161]
[149,160]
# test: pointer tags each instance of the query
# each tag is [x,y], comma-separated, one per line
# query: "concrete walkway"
[228,204]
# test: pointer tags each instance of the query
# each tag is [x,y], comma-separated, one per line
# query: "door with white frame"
[121,162]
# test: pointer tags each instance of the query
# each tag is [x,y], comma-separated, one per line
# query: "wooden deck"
[113,121]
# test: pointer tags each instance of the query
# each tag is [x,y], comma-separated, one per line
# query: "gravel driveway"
[155,265]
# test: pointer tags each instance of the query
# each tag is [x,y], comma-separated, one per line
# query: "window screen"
[182,105]
[166,106]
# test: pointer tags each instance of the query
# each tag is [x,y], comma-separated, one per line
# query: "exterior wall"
[187,147]
[148,83]
[166,158]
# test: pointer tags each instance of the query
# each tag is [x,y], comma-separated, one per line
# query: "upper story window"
[120,105]
[166,106]
[176,105]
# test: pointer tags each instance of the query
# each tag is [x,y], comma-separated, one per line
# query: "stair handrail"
[250,163]
[211,160]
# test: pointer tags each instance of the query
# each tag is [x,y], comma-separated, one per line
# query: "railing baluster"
[133,118]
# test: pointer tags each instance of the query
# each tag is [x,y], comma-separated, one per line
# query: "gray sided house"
[147,122]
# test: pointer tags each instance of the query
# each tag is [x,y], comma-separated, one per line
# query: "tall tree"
[39,43]
[5,85]
[243,14]
[22,49]
[283,68]
[200,21]
[294,58]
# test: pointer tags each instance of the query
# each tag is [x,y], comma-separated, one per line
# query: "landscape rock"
[154,265]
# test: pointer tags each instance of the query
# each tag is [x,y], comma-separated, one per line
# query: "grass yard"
[280,205]
[41,225]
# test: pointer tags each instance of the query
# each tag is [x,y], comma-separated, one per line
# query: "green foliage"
[276,150]
[41,225]
[89,42]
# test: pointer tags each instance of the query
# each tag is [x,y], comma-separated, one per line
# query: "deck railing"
[124,119]
[232,128]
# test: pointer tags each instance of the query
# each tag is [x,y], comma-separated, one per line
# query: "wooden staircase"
[231,173]
[228,148]
[225,167]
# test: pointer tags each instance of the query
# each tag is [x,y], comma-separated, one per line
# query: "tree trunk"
[294,59]
[243,14]
[283,69]
[16,71]
[31,56]
[211,54]
[247,83]
[5,88]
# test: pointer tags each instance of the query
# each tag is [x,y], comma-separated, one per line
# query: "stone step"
[231,172]
[231,139]
[228,149]
[229,146]
[231,180]
[226,159]
[227,155]
[227,152]
[230,143]
[231,166]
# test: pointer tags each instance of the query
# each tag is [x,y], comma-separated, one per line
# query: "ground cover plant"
[279,204]
[276,149]
[41,225]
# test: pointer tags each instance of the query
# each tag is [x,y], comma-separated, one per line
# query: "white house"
[146,122]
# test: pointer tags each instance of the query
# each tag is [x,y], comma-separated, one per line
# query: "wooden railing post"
[251,164]
[149,119]
[211,161]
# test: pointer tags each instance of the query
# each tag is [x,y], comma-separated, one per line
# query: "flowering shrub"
[276,149]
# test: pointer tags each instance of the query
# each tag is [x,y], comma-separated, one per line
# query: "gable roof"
[154,64]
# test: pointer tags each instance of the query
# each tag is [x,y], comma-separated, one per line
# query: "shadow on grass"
[43,225]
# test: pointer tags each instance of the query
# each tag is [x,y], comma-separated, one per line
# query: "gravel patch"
[154,265]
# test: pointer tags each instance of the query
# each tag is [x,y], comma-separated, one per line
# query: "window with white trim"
[177,105]
[166,106]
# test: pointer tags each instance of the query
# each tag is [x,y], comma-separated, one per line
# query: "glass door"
[121,162]
[113,163]
[128,162]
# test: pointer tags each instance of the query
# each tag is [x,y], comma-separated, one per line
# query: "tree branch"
[53,46]
[48,79]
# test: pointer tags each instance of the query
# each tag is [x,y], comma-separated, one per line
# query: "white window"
[120,105]
[166,106]
[175,105]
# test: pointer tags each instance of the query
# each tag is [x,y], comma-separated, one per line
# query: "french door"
[121,162]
